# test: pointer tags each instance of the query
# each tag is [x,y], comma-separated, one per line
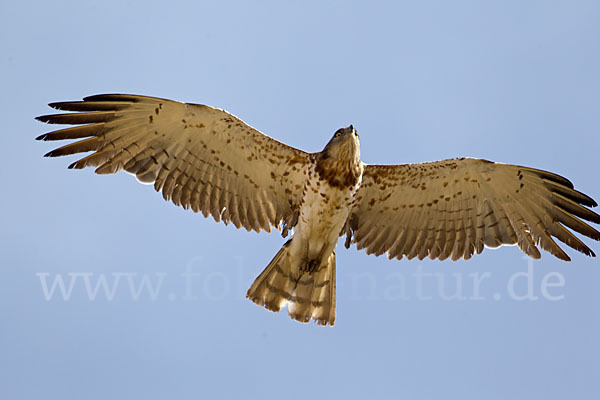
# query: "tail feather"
[309,294]
[314,295]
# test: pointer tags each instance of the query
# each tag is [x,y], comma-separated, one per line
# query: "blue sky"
[512,81]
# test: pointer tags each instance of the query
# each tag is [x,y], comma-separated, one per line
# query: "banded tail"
[309,294]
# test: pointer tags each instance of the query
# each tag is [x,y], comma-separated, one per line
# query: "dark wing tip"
[67,105]
[587,200]
[564,256]
[55,105]
[43,118]
[569,192]
[113,97]
[556,178]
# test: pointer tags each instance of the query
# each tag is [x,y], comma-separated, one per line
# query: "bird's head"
[343,145]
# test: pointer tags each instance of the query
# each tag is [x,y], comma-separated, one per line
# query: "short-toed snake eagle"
[208,160]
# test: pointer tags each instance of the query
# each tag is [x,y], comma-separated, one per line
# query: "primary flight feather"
[208,160]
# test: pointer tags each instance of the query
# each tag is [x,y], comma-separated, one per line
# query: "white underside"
[322,217]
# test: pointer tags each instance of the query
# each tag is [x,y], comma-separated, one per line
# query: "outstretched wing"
[200,157]
[454,208]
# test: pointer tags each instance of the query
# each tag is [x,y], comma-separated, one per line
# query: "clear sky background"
[511,81]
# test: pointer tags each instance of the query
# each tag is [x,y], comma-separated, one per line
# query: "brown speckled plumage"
[207,160]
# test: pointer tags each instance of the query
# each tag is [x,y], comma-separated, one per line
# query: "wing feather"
[200,157]
[455,208]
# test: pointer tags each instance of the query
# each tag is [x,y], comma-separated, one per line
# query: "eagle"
[205,159]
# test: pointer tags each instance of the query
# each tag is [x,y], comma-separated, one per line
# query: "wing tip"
[588,200]
[556,178]
[56,105]
[43,118]
[113,97]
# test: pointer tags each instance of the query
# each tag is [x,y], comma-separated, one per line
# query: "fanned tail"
[310,294]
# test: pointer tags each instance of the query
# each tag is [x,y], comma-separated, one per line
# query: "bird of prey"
[205,159]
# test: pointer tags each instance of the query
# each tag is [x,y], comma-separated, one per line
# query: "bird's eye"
[338,134]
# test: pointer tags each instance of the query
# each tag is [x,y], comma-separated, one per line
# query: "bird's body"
[303,272]
[323,212]
[326,203]
[206,159]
